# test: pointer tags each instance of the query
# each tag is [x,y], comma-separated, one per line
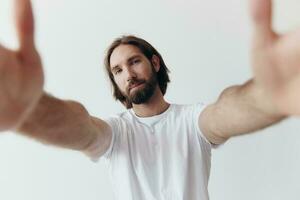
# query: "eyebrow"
[128,60]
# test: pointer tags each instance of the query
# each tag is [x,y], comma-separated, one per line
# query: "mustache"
[134,81]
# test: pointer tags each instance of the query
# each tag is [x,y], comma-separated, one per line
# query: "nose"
[130,74]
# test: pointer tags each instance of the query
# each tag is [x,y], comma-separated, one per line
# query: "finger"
[261,13]
[25,26]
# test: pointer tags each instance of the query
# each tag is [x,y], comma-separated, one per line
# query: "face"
[133,73]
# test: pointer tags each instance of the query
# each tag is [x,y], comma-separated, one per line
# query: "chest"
[159,145]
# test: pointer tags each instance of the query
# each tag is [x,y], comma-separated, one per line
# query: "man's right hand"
[21,73]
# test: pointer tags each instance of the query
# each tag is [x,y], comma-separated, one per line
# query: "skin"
[239,109]
[21,74]
[124,70]
[276,59]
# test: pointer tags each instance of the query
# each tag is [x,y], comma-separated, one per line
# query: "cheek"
[148,74]
[144,73]
[120,84]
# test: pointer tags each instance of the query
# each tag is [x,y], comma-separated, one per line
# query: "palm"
[21,79]
[276,60]
[21,74]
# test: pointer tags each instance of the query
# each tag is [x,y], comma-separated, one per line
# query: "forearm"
[243,109]
[61,123]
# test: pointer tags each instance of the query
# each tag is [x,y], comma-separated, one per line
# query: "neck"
[155,106]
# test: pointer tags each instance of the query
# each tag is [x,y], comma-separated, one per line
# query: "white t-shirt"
[164,157]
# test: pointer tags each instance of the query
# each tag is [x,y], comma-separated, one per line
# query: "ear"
[155,62]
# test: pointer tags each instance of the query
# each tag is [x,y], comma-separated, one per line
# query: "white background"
[205,43]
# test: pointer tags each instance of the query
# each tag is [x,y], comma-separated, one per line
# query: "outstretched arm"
[240,109]
[66,124]
[25,108]
[271,95]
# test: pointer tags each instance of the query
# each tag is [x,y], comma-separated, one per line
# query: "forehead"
[122,53]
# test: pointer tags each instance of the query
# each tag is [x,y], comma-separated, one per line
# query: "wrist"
[26,111]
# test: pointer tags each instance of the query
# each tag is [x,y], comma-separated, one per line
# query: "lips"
[132,86]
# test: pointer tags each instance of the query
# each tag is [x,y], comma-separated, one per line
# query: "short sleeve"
[197,110]
[95,154]
[114,123]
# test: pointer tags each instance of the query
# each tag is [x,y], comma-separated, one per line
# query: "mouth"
[135,85]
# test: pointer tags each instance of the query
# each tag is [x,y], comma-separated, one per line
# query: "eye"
[117,71]
[135,61]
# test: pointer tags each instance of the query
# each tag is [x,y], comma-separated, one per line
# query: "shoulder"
[120,120]
[189,109]
[119,116]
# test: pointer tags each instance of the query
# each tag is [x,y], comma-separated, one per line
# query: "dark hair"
[148,50]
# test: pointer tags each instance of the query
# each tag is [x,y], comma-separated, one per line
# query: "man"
[155,150]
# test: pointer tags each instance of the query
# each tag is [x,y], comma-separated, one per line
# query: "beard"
[143,94]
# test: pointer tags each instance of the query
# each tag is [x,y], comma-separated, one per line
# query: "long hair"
[148,50]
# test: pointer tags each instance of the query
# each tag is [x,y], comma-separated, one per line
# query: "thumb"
[25,27]
[261,13]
